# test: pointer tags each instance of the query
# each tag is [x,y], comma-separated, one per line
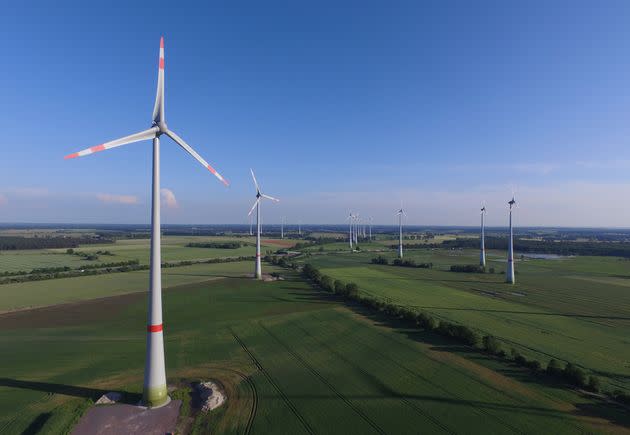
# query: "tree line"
[12,243]
[567,373]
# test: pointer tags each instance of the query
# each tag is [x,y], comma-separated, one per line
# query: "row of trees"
[11,243]
[402,263]
[568,372]
[217,245]
[105,268]
[467,268]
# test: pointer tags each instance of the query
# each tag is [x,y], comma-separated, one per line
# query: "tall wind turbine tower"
[259,198]
[350,236]
[371,219]
[509,273]
[482,253]
[154,389]
[282,227]
[400,214]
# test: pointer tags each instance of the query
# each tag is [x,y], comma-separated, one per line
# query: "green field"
[293,360]
[173,249]
[574,309]
[64,290]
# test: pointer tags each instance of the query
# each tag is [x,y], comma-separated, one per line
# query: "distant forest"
[559,247]
[11,243]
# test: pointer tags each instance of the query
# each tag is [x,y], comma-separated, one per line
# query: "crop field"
[57,291]
[293,360]
[574,309]
[173,249]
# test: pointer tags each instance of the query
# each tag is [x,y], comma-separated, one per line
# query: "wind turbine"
[154,389]
[371,219]
[259,198]
[509,273]
[482,254]
[282,227]
[400,215]
[350,236]
[355,227]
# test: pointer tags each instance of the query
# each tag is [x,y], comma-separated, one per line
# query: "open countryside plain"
[573,309]
[292,359]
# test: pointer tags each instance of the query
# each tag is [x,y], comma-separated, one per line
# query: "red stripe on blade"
[162,42]
[71,156]
[97,148]
[155,328]
[161,63]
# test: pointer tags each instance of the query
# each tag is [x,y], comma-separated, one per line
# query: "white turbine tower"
[371,220]
[509,273]
[154,390]
[350,236]
[282,227]
[355,228]
[400,215]
[259,198]
[482,253]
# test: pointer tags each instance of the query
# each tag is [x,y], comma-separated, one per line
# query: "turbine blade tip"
[71,156]
[161,41]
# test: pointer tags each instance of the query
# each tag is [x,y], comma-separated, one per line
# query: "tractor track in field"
[433,384]
[267,376]
[254,409]
[407,402]
[319,376]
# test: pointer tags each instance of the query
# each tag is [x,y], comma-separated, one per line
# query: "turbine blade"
[270,197]
[193,153]
[254,177]
[143,135]
[158,107]
[253,206]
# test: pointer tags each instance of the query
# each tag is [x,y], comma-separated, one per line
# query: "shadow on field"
[67,390]
[37,424]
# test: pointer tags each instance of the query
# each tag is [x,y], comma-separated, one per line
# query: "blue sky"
[336,106]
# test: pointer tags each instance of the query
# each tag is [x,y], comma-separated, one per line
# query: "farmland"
[312,365]
[574,309]
[295,359]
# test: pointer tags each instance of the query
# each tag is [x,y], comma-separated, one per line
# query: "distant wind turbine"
[400,215]
[482,254]
[259,198]
[509,273]
[154,390]
[350,223]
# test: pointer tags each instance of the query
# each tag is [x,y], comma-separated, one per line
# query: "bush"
[491,344]
[380,260]
[467,268]
[352,290]
[594,384]
[575,375]
[425,321]
[340,287]
[70,251]
[553,368]
[327,283]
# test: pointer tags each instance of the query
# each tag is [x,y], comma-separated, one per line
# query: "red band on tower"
[155,328]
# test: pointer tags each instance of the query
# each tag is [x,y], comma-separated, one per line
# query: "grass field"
[58,291]
[173,249]
[575,309]
[292,359]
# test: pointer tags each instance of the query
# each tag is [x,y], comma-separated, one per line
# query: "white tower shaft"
[509,273]
[258,266]
[400,238]
[482,254]
[154,390]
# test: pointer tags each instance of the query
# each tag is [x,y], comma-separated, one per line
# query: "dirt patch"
[128,419]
